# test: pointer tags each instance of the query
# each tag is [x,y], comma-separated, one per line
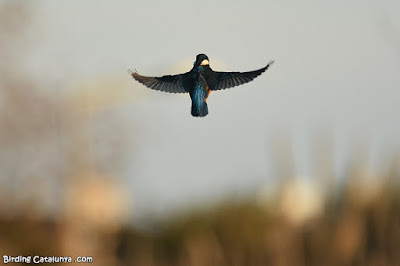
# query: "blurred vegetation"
[352,229]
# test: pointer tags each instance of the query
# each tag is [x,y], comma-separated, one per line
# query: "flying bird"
[199,82]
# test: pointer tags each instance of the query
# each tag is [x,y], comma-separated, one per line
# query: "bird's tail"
[199,109]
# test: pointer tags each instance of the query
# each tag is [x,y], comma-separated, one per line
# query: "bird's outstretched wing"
[167,83]
[225,80]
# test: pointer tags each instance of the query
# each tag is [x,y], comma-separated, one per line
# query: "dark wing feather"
[225,80]
[169,83]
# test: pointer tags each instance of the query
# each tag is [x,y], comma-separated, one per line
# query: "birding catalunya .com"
[41,259]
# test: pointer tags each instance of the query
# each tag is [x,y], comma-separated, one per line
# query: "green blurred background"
[299,167]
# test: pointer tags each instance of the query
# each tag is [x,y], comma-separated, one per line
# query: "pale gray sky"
[337,66]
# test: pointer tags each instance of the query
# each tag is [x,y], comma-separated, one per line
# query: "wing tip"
[132,71]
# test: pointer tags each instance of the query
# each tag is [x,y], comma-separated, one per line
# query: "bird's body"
[199,95]
[199,82]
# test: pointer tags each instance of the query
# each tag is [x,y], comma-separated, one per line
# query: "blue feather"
[199,96]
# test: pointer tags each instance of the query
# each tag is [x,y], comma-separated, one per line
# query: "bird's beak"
[204,63]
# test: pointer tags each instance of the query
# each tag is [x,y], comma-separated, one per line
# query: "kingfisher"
[199,82]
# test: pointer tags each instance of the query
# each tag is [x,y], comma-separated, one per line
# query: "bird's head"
[201,60]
